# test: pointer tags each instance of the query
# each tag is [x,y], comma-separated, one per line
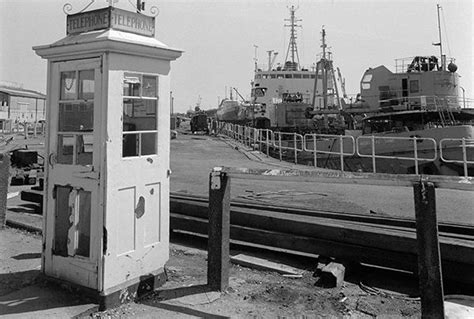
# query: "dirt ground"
[252,293]
[365,293]
[256,293]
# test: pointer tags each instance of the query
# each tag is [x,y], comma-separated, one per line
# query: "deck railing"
[462,144]
[385,142]
[291,145]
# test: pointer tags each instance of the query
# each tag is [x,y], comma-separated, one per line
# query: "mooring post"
[429,259]
[4,182]
[219,230]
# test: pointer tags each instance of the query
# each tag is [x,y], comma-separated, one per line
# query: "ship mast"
[324,71]
[295,60]
[443,63]
[440,43]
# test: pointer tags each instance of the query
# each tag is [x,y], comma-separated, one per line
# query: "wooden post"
[429,259]
[4,183]
[218,231]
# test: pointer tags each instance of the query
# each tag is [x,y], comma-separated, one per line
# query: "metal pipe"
[373,154]
[415,149]
[315,151]
[295,146]
[268,145]
[279,147]
[341,149]
[464,156]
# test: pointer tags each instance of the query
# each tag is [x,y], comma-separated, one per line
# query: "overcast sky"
[218,38]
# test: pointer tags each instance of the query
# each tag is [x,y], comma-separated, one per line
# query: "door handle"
[52,159]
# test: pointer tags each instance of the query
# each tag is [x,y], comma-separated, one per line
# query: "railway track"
[381,241]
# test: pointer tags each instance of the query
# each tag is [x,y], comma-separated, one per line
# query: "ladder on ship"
[445,114]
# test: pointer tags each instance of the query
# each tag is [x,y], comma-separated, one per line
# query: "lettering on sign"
[111,18]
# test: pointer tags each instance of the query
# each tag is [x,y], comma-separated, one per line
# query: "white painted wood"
[124,246]
[136,245]
[77,269]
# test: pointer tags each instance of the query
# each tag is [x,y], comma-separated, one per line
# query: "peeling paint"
[140,209]
[104,241]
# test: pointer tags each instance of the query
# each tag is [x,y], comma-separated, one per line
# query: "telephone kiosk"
[106,203]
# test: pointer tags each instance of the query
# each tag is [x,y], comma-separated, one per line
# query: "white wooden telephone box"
[106,202]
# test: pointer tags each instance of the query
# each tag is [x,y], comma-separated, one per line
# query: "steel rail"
[365,246]
[462,231]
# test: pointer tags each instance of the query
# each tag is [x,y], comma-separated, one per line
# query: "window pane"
[148,143]
[65,149]
[86,84]
[129,145]
[414,86]
[367,78]
[76,117]
[139,114]
[84,149]
[68,85]
[131,85]
[149,86]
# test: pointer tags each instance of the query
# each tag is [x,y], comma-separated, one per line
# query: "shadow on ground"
[158,298]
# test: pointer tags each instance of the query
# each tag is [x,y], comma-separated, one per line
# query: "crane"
[240,95]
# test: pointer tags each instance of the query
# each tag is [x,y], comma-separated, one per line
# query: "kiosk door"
[73,204]
[136,221]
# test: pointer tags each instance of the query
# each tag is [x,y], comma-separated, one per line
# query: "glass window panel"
[76,117]
[414,86]
[139,114]
[131,89]
[367,78]
[65,149]
[127,108]
[129,145]
[150,106]
[84,149]
[149,86]
[148,141]
[84,224]
[86,84]
[68,85]
[131,85]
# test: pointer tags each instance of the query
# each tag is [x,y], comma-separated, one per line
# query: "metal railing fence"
[416,149]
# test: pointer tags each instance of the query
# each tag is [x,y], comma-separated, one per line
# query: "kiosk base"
[113,297]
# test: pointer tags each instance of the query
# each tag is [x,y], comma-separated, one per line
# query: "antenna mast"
[292,45]
[255,58]
[443,62]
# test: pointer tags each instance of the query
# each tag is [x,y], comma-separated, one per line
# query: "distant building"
[20,107]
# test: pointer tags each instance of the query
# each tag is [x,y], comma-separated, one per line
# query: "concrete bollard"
[332,275]
[4,183]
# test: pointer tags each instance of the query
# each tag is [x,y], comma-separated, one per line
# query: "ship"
[285,93]
[420,99]
[235,111]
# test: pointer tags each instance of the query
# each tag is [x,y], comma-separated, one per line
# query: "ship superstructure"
[286,92]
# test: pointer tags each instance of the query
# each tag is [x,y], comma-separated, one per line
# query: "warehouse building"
[20,108]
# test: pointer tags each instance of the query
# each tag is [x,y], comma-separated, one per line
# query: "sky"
[219,38]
